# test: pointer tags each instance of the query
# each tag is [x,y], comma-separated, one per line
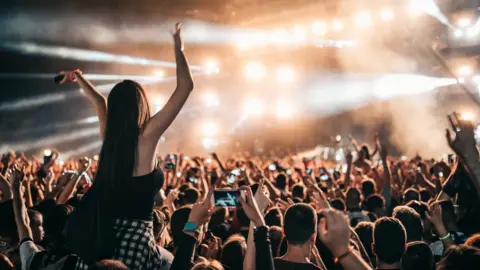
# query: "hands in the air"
[462,141]
[334,232]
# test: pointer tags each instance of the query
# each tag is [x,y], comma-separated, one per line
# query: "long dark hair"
[128,111]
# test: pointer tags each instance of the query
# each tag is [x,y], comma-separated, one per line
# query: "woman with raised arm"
[127,181]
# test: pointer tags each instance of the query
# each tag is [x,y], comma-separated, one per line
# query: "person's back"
[300,229]
[389,243]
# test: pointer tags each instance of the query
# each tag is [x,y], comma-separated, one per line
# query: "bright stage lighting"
[337,26]
[464,22]
[299,33]
[211,99]
[284,109]
[363,19]
[255,71]
[208,143]
[464,71]
[386,14]
[253,106]
[160,74]
[319,28]
[211,67]
[210,129]
[47,152]
[467,116]
[285,75]
[458,33]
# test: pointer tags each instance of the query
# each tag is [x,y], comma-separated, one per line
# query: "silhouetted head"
[128,111]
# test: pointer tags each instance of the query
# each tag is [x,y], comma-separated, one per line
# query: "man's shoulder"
[283,264]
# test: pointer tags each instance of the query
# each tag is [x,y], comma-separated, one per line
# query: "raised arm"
[387,173]
[157,125]
[21,217]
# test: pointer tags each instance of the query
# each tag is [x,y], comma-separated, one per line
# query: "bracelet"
[445,237]
[350,250]
[71,76]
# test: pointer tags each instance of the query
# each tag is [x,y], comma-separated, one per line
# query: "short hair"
[281,181]
[208,265]
[275,234]
[300,223]
[298,191]
[242,218]
[109,265]
[420,207]
[338,204]
[411,194]
[373,202]
[364,231]
[233,252]
[353,196]
[473,241]
[274,217]
[191,196]
[418,255]
[55,218]
[389,240]
[161,218]
[411,220]
[368,187]
[425,195]
[178,221]
[459,257]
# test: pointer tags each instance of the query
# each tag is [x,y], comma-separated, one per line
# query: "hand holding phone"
[227,197]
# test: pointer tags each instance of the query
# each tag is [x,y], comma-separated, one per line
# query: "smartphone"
[272,167]
[308,171]
[233,177]
[324,177]
[227,198]
[193,180]
[47,156]
[170,166]
[419,170]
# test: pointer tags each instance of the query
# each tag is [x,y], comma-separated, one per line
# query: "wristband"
[71,76]
[445,237]
[191,227]
[350,250]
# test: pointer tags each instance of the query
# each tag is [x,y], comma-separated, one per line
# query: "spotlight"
[210,129]
[211,99]
[255,71]
[253,106]
[467,116]
[338,138]
[211,67]
[404,158]
[363,18]
[464,71]
[285,75]
[284,109]
[319,28]
[47,152]
[337,26]
[457,33]
[160,74]
[386,14]
[280,36]
[464,22]
[208,143]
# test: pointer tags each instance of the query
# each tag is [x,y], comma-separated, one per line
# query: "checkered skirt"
[136,246]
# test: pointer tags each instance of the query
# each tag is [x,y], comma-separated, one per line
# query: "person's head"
[281,181]
[233,252]
[411,221]
[368,187]
[411,194]
[364,153]
[274,217]
[128,111]
[218,218]
[364,231]
[298,191]
[191,196]
[353,198]
[55,219]
[242,218]
[418,255]
[160,223]
[473,241]
[425,195]
[422,209]
[208,265]
[178,221]
[389,240]
[460,257]
[300,225]
[276,235]
[109,265]
[36,225]
[338,204]
[375,203]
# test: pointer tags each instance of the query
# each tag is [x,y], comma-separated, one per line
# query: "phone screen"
[308,171]
[170,166]
[227,198]
[233,177]
[324,177]
[272,167]
[193,180]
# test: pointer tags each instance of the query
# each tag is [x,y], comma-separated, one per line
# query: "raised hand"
[261,196]
[16,177]
[462,140]
[436,215]
[177,37]
[84,164]
[201,211]
[334,232]
[250,207]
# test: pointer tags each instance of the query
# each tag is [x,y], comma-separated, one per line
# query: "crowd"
[131,209]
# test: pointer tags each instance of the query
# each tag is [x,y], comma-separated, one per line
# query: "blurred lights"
[210,129]
[386,14]
[211,67]
[464,71]
[159,73]
[253,106]
[363,18]
[47,152]
[284,109]
[467,116]
[299,33]
[457,33]
[211,99]
[254,71]
[337,25]
[319,28]
[285,75]
[208,143]
[95,157]
[464,22]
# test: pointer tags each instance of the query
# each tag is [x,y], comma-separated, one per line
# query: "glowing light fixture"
[255,71]
[285,75]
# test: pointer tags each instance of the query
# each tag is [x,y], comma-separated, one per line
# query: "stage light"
[253,106]
[211,67]
[280,36]
[284,109]
[464,22]
[285,75]
[254,71]
[47,152]
[363,19]
[210,129]
[208,160]
[457,33]
[472,32]
[319,28]
[95,157]
[208,143]
[386,14]
[299,33]
[404,158]
[464,71]
[337,26]
[467,116]
[211,99]
[338,138]
[160,74]
[158,103]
